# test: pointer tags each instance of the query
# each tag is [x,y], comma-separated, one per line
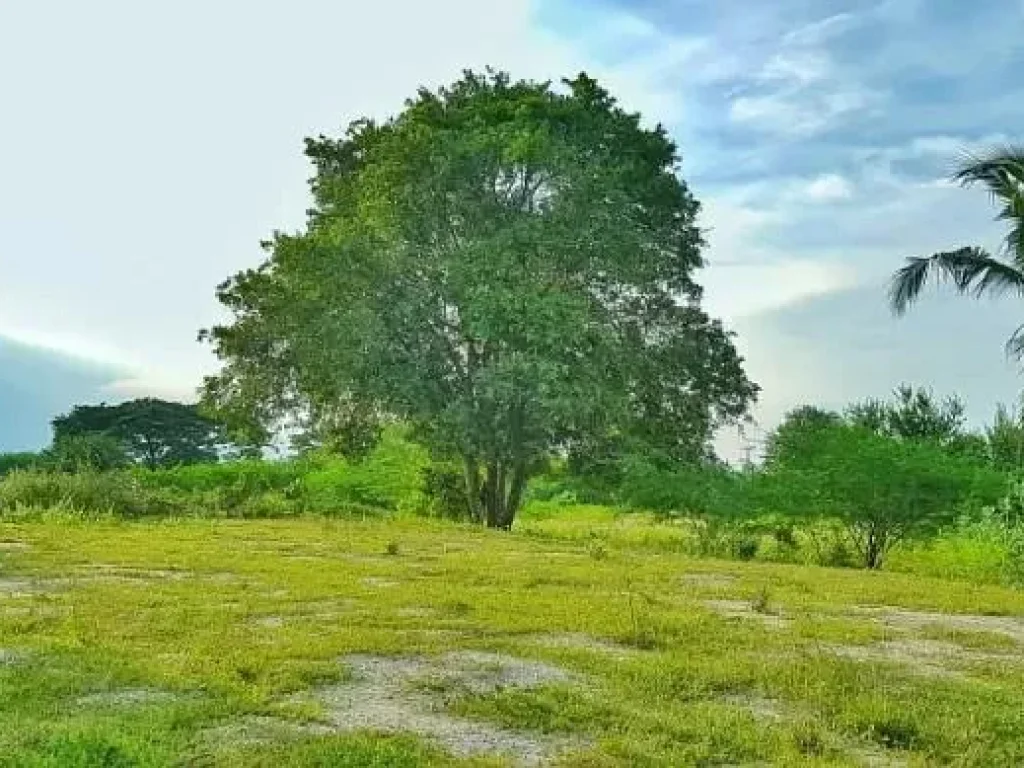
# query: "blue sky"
[147,148]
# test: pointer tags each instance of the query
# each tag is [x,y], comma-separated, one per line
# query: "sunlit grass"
[236,617]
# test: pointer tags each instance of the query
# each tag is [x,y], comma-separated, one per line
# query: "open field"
[411,642]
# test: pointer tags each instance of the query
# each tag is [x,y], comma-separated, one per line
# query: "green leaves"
[147,431]
[973,271]
[884,489]
[504,266]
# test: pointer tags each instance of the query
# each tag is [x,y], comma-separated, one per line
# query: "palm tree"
[973,271]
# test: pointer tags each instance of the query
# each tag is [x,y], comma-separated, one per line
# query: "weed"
[761,602]
[746,548]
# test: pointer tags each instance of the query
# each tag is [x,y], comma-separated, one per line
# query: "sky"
[147,148]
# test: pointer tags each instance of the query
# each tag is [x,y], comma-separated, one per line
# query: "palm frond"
[1001,171]
[995,168]
[971,271]
[1015,344]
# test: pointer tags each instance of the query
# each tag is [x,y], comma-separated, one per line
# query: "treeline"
[146,432]
[876,475]
[837,488]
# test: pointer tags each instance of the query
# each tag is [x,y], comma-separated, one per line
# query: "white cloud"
[828,188]
[745,278]
[798,67]
[797,112]
[739,291]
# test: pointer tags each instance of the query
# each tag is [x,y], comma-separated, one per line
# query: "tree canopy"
[912,414]
[506,266]
[151,432]
[883,490]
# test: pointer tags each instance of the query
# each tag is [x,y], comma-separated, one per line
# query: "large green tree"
[152,432]
[508,267]
[973,271]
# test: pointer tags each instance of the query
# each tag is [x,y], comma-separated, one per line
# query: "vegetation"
[492,317]
[506,267]
[232,644]
[10,462]
[151,432]
[881,490]
[973,271]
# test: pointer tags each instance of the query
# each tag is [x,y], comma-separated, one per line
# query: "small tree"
[796,428]
[883,490]
[1006,439]
[505,266]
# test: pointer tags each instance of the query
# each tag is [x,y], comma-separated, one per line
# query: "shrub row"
[390,479]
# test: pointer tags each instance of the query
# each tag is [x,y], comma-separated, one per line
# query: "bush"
[74,453]
[882,490]
[9,462]
[445,490]
[389,479]
[86,492]
[746,548]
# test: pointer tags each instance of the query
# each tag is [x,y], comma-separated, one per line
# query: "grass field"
[410,642]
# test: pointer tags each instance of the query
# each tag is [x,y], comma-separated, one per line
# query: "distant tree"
[973,271]
[797,426]
[505,266]
[151,432]
[86,451]
[347,427]
[912,414]
[10,462]
[1005,439]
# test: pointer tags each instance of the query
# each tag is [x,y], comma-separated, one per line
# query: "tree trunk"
[472,475]
[874,551]
[515,493]
[496,496]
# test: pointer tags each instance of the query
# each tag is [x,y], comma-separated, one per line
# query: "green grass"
[240,618]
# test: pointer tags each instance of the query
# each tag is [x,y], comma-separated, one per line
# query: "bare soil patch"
[416,612]
[258,730]
[898,618]
[922,657]
[395,694]
[107,571]
[24,587]
[379,583]
[932,658]
[761,707]
[743,609]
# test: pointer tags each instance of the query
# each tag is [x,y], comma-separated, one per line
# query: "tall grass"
[388,480]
